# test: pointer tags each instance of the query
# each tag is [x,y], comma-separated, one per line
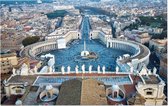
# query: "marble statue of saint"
[83,68]
[50,69]
[98,69]
[68,69]
[104,69]
[35,69]
[117,69]
[90,69]
[76,69]
[154,70]
[63,69]
[131,69]
[14,71]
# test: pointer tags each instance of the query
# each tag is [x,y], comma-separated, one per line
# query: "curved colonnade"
[33,50]
[139,51]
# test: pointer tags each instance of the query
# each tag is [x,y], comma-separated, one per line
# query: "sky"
[22,0]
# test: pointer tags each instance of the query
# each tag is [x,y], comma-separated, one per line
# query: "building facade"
[7,62]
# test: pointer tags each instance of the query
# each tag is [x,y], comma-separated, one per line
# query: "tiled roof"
[82,92]
[70,92]
[22,79]
[93,93]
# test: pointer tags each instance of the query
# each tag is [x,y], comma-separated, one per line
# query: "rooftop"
[7,55]
[160,41]
[70,92]
[82,92]
[151,79]
[22,79]
[108,80]
[164,57]
[93,93]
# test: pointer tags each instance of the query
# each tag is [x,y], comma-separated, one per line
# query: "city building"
[158,45]
[8,61]
[138,36]
[163,66]
[99,29]
[149,90]
[70,29]
[12,42]
[106,89]
[143,38]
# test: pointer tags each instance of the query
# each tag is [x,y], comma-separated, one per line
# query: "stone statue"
[131,69]
[120,58]
[149,72]
[18,72]
[117,69]
[24,69]
[5,82]
[50,69]
[14,71]
[68,69]
[98,69]
[104,69]
[63,70]
[154,70]
[76,69]
[90,69]
[83,68]
[31,72]
[35,69]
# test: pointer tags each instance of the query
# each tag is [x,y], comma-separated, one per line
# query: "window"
[18,91]
[149,93]
[48,94]
[115,94]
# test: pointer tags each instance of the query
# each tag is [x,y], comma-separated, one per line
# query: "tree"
[30,40]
